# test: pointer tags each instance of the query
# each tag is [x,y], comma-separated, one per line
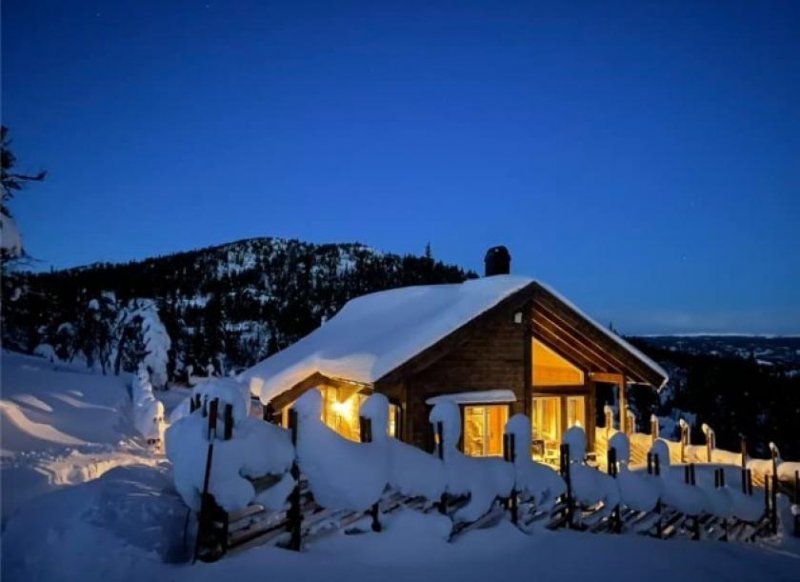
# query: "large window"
[483,430]
[552,415]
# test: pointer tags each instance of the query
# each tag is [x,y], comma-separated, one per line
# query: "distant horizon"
[45,270]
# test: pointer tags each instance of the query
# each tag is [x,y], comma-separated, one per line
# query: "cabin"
[498,345]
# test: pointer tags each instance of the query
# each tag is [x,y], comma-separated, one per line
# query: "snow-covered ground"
[61,425]
[85,499]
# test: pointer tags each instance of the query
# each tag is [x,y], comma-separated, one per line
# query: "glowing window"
[483,430]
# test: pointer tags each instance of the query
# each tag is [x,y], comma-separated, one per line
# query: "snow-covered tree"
[11,182]
[143,335]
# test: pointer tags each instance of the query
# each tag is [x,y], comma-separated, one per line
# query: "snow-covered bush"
[46,351]
[148,413]
[589,486]
[639,491]
[342,474]
[535,480]
[675,493]
[148,417]
[256,449]
[412,471]
[483,479]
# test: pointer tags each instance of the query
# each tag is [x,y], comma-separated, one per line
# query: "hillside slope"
[228,306]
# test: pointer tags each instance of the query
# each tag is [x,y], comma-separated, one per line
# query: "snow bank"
[483,479]
[341,474]
[575,437]
[121,526]
[412,471]
[726,457]
[47,352]
[637,490]
[535,480]
[675,493]
[256,449]
[589,486]
[787,469]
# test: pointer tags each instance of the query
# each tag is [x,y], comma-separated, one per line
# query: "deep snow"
[127,523]
[61,425]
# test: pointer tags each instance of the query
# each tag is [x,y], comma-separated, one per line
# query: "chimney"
[497,261]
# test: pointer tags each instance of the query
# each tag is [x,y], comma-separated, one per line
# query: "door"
[546,428]
[552,415]
[483,430]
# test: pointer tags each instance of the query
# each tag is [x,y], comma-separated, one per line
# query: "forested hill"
[229,305]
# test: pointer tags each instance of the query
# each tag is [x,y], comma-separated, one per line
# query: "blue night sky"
[643,158]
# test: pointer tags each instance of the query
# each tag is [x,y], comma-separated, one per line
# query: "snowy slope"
[126,523]
[113,513]
[60,425]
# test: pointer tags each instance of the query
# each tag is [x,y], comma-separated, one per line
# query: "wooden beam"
[605,360]
[632,364]
[606,377]
[553,337]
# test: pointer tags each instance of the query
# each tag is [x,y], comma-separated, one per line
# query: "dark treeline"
[227,306]
[733,395]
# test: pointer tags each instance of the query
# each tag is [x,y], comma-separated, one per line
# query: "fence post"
[227,419]
[767,498]
[510,455]
[684,426]
[630,422]
[710,441]
[439,438]
[611,462]
[659,506]
[365,433]
[654,428]
[565,474]
[608,412]
[774,514]
[295,514]
[774,455]
[743,446]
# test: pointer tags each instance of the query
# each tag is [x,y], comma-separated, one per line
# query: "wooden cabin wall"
[493,358]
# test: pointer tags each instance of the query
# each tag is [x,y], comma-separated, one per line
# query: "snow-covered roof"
[374,334]
[476,397]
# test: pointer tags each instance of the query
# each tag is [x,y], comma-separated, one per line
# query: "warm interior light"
[341,408]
